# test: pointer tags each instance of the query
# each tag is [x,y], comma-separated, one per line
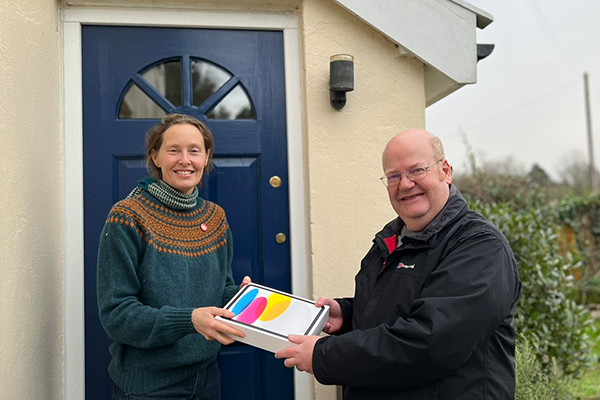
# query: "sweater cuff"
[180,320]
[228,294]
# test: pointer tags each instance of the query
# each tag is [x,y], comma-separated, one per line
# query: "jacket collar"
[455,206]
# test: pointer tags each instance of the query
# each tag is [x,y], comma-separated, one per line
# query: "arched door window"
[188,85]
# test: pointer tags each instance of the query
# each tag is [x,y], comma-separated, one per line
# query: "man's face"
[416,203]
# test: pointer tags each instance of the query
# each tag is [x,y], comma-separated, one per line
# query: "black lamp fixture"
[341,79]
[484,50]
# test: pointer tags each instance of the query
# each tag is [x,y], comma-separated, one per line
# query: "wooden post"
[593,182]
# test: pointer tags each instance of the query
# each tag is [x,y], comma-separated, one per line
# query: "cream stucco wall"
[31,215]
[348,204]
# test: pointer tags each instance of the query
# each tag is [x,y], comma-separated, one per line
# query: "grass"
[588,386]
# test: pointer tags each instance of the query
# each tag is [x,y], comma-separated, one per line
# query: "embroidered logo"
[407,266]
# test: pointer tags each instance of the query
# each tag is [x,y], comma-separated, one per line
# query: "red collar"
[391,243]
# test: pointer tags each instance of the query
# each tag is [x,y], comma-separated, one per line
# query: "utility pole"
[593,182]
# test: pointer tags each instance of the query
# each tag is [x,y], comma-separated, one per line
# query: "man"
[432,314]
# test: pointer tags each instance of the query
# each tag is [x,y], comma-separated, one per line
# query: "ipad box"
[267,316]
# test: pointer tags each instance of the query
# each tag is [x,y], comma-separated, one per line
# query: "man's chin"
[411,215]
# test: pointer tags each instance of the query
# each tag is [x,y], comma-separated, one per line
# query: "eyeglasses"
[414,174]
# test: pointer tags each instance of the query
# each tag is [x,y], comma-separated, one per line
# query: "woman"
[164,269]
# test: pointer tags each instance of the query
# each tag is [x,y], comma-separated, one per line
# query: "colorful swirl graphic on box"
[274,311]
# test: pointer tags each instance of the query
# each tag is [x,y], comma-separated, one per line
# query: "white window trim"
[72,20]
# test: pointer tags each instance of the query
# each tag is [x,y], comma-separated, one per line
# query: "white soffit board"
[438,85]
[441,33]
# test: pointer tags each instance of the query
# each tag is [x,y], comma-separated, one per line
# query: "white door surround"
[72,116]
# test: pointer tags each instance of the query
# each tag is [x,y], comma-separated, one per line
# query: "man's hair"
[154,139]
[438,148]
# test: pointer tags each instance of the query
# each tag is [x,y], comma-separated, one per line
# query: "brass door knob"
[280,238]
[275,181]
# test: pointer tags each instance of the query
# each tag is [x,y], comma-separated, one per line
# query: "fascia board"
[483,18]
[441,33]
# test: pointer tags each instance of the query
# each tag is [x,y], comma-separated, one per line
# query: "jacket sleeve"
[124,318]
[347,306]
[463,301]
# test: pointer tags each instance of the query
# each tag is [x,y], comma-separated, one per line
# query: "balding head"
[417,201]
[417,134]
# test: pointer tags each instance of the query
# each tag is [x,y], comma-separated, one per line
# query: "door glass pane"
[137,105]
[166,78]
[206,79]
[236,105]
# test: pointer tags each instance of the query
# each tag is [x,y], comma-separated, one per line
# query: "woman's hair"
[154,139]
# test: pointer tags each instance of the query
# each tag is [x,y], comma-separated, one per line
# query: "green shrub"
[532,383]
[546,315]
[588,290]
[582,215]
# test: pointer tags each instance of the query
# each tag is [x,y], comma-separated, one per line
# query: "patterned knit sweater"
[155,266]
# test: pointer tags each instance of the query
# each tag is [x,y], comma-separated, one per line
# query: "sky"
[528,105]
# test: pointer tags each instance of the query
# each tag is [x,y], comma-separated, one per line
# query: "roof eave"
[441,33]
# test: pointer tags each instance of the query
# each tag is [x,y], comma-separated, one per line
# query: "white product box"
[267,316]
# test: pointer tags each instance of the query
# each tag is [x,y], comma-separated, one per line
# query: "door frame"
[72,19]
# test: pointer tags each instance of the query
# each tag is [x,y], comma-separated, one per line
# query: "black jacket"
[430,319]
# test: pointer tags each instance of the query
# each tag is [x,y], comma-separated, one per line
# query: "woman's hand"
[336,317]
[212,329]
[245,281]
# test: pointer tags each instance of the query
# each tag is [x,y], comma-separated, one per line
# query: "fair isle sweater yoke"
[155,266]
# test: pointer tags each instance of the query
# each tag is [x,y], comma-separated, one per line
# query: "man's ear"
[447,168]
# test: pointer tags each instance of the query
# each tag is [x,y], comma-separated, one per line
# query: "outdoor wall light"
[341,79]
[484,50]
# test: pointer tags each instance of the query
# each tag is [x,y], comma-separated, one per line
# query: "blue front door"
[233,80]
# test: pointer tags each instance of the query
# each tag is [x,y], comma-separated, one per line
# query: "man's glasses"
[414,175]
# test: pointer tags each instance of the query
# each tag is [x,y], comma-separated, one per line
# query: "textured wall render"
[348,204]
[31,243]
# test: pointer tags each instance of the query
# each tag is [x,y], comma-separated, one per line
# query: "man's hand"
[336,317]
[205,323]
[299,356]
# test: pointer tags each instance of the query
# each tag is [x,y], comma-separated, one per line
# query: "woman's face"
[182,157]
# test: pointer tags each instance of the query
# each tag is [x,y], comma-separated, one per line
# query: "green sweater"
[155,266]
